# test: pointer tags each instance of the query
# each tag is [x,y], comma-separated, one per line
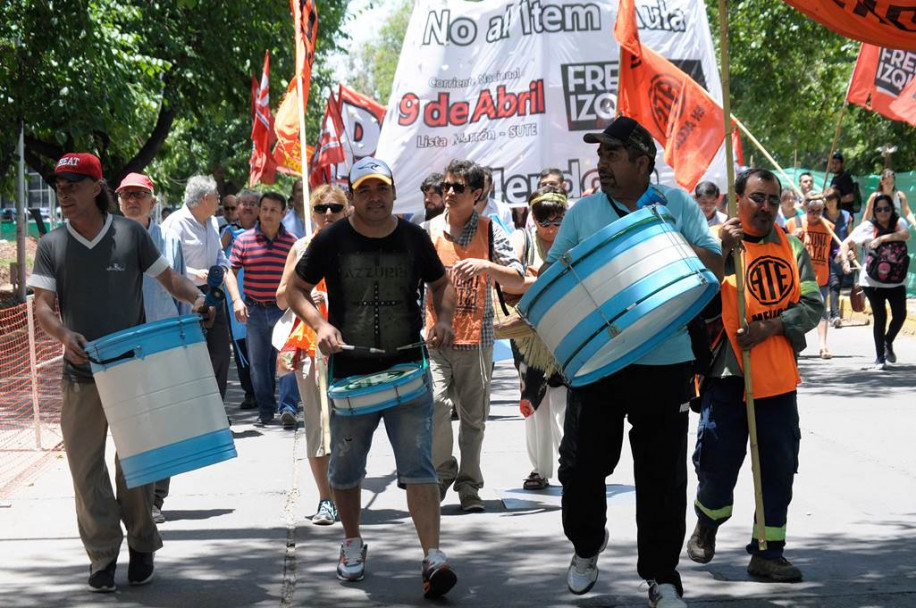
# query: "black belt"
[260,304]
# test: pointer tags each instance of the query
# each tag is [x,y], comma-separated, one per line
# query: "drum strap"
[499,292]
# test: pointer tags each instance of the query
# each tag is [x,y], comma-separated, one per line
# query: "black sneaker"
[249,403]
[889,355]
[140,570]
[438,578]
[158,517]
[103,580]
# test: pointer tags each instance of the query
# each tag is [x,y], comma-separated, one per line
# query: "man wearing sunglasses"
[783,302]
[92,269]
[477,252]
[651,393]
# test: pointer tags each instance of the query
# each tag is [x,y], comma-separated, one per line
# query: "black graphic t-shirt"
[374,287]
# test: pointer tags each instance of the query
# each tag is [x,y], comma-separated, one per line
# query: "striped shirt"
[263,260]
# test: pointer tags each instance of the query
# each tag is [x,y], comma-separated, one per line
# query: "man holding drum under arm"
[374,265]
[652,392]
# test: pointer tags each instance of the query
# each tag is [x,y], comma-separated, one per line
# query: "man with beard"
[651,393]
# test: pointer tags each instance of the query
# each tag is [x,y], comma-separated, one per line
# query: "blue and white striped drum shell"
[368,393]
[617,295]
[161,399]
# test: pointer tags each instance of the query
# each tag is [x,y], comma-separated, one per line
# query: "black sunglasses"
[549,223]
[761,198]
[883,209]
[324,208]
[459,188]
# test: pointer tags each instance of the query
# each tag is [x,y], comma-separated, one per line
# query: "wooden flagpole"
[303,154]
[739,280]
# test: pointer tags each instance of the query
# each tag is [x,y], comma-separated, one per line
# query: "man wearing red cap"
[136,199]
[92,269]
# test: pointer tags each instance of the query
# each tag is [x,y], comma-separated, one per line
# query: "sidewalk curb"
[865,318]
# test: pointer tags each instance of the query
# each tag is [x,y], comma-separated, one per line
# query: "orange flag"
[879,82]
[674,108]
[870,21]
[286,124]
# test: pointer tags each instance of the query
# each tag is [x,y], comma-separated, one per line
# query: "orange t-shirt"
[817,240]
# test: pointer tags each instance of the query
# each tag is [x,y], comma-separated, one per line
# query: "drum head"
[642,328]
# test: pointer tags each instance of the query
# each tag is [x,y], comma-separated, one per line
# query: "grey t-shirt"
[99,283]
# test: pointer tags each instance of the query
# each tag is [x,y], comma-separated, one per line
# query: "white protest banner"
[515,86]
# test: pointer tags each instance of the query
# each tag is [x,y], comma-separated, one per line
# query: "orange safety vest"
[304,337]
[817,241]
[472,294]
[771,284]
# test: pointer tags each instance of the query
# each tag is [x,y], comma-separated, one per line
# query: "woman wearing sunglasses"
[543,401]
[328,204]
[888,185]
[883,277]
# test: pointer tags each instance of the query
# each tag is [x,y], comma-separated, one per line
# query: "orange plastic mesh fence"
[30,400]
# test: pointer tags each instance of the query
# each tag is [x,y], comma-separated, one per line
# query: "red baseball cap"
[136,180]
[78,165]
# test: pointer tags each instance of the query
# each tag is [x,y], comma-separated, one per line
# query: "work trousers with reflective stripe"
[722,442]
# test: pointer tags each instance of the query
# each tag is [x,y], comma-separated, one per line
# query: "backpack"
[856,197]
[888,263]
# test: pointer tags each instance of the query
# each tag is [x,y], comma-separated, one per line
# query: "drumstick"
[363,349]
[414,345]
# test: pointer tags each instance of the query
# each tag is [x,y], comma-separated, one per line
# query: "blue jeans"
[262,361]
[410,431]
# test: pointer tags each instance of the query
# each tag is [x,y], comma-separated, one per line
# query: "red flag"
[905,104]
[329,152]
[871,21]
[359,122]
[286,126]
[879,81]
[674,108]
[263,167]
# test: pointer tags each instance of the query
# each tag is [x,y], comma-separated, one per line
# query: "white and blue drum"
[617,295]
[161,400]
[368,393]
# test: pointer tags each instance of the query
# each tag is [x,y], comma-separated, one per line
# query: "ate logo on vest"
[770,280]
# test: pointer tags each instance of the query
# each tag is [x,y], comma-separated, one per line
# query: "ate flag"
[286,125]
[262,165]
[879,82]
[674,108]
[329,152]
[869,21]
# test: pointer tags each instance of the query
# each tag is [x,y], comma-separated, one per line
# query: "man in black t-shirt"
[374,266]
[842,181]
[92,268]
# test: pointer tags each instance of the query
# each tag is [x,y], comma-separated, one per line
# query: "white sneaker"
[664,596]
[352,564]
[583,571]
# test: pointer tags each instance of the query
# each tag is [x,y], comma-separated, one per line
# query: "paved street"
[237,533]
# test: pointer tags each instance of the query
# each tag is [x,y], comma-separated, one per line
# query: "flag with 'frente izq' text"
[883,82]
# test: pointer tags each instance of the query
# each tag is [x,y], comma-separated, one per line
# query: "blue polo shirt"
[595,212]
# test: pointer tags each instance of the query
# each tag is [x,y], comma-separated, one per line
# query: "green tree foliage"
[162,86]
[371,69]
[789,76]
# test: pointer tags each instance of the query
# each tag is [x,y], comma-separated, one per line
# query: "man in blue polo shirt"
[651,393]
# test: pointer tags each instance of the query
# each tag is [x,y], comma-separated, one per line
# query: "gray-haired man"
[195,226]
